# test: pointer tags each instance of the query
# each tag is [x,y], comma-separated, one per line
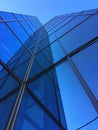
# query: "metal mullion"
[65,25]
[52,21]
[6,77]
[28,24]
[63,59]
[5,21]
[61,20]
[21,64]
[15,59]
[57,101]
[91,121]
[24,30]
[43,106]
[84,84]
[44,55]
[61,26]
[63,35]
[21,24]
[68,30]
[40,50]
[9,71]
[16,107]
[16,36]
[9,94]
[81,79]
[32,23]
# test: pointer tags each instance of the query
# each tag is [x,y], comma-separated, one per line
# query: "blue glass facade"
[49,72]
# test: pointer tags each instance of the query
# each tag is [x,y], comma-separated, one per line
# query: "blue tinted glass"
[2,80]
[61,108]
[69,26]
[6,16]
[8,43]
[12,65]
[42,60]
[3,72]
[34,71]
[91,126]
[57,51]
[27,27]
[23,58]
[19,31]
[87,63]
[18,16]
[90,11]
[9,84]
[77,106]
[83,33]
[6,106]
[20,70]
[32,117]
[63,22]
[43,88]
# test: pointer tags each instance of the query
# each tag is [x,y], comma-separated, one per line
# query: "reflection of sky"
[77,107]
[46,9]
[5,48]
[6,51]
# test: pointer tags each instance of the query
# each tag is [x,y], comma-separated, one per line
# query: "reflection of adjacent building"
[45,66]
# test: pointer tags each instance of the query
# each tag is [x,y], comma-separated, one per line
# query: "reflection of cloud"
[6,49]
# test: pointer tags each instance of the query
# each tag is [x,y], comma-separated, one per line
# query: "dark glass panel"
[75,100]
[32,116]
[6,106]
[3,72]
[42,60]
[35,69]
[43,88]
[9,84]
[2,80]
[12,64]
[20,70]
[87,63]
[23,58]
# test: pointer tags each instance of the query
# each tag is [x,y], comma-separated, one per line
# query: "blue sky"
[46,9]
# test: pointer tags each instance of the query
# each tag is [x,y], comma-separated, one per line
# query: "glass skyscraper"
[48,73]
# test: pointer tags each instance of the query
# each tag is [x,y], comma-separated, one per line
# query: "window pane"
[43,88]
[77,106]
[32,116]
[19,31]
[87,63]
[6,106]
[82,34]
[7,48]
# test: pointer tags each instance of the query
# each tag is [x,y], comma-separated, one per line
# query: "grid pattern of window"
[29,92]
[74,45]
[41,66]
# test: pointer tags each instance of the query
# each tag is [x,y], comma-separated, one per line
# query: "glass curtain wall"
[29,92]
